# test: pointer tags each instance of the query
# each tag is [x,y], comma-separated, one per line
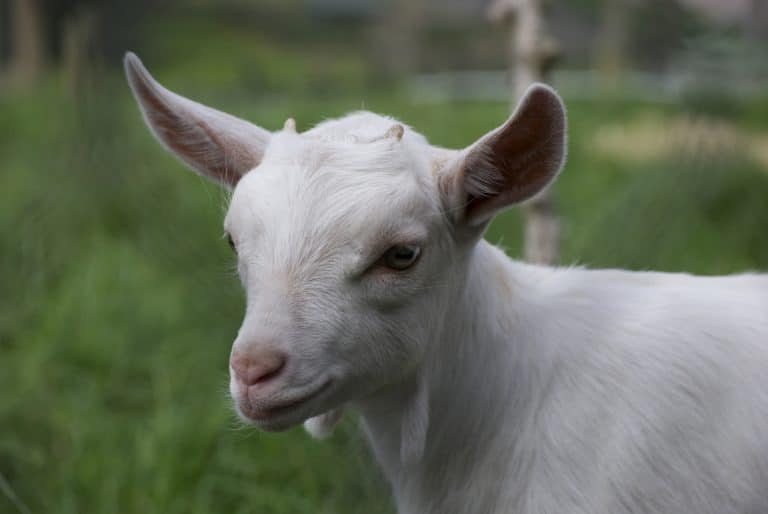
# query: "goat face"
[341,249]
[351,238]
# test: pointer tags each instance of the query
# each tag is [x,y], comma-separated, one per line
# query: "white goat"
[485,385]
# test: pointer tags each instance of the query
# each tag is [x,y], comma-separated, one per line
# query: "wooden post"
[27,58]
[611,43]
[757,22]
[397,37]
[532,54]
[77,42]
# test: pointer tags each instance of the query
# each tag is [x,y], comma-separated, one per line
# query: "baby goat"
[484,385]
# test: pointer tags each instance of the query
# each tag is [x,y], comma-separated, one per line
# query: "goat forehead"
[325,202]
[305,203]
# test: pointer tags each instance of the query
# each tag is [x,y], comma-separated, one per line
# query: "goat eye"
[401,257]
[231,243]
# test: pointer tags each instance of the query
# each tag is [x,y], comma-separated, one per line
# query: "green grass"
[118,303]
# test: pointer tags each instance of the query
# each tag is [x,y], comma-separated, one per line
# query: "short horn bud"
[395,132]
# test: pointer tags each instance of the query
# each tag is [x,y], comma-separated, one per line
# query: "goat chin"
[322,426]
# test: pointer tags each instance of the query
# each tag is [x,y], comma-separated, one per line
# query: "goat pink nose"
[257,367]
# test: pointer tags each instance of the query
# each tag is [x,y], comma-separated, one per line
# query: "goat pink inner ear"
[215,144]
[517,160]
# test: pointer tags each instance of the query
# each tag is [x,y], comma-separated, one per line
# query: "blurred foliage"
[119,304]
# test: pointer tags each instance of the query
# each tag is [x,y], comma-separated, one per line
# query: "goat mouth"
[280,409]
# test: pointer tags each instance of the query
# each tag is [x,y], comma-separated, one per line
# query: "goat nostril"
[258,367]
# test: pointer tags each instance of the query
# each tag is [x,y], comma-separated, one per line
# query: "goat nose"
[257,367]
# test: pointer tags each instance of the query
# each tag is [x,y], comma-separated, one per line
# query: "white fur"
[486,385]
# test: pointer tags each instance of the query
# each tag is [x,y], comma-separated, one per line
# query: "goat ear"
[509,164]
[214,144]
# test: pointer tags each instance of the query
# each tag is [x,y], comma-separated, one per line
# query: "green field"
[119,303]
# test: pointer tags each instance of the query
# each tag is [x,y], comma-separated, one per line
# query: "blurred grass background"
[118,303]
